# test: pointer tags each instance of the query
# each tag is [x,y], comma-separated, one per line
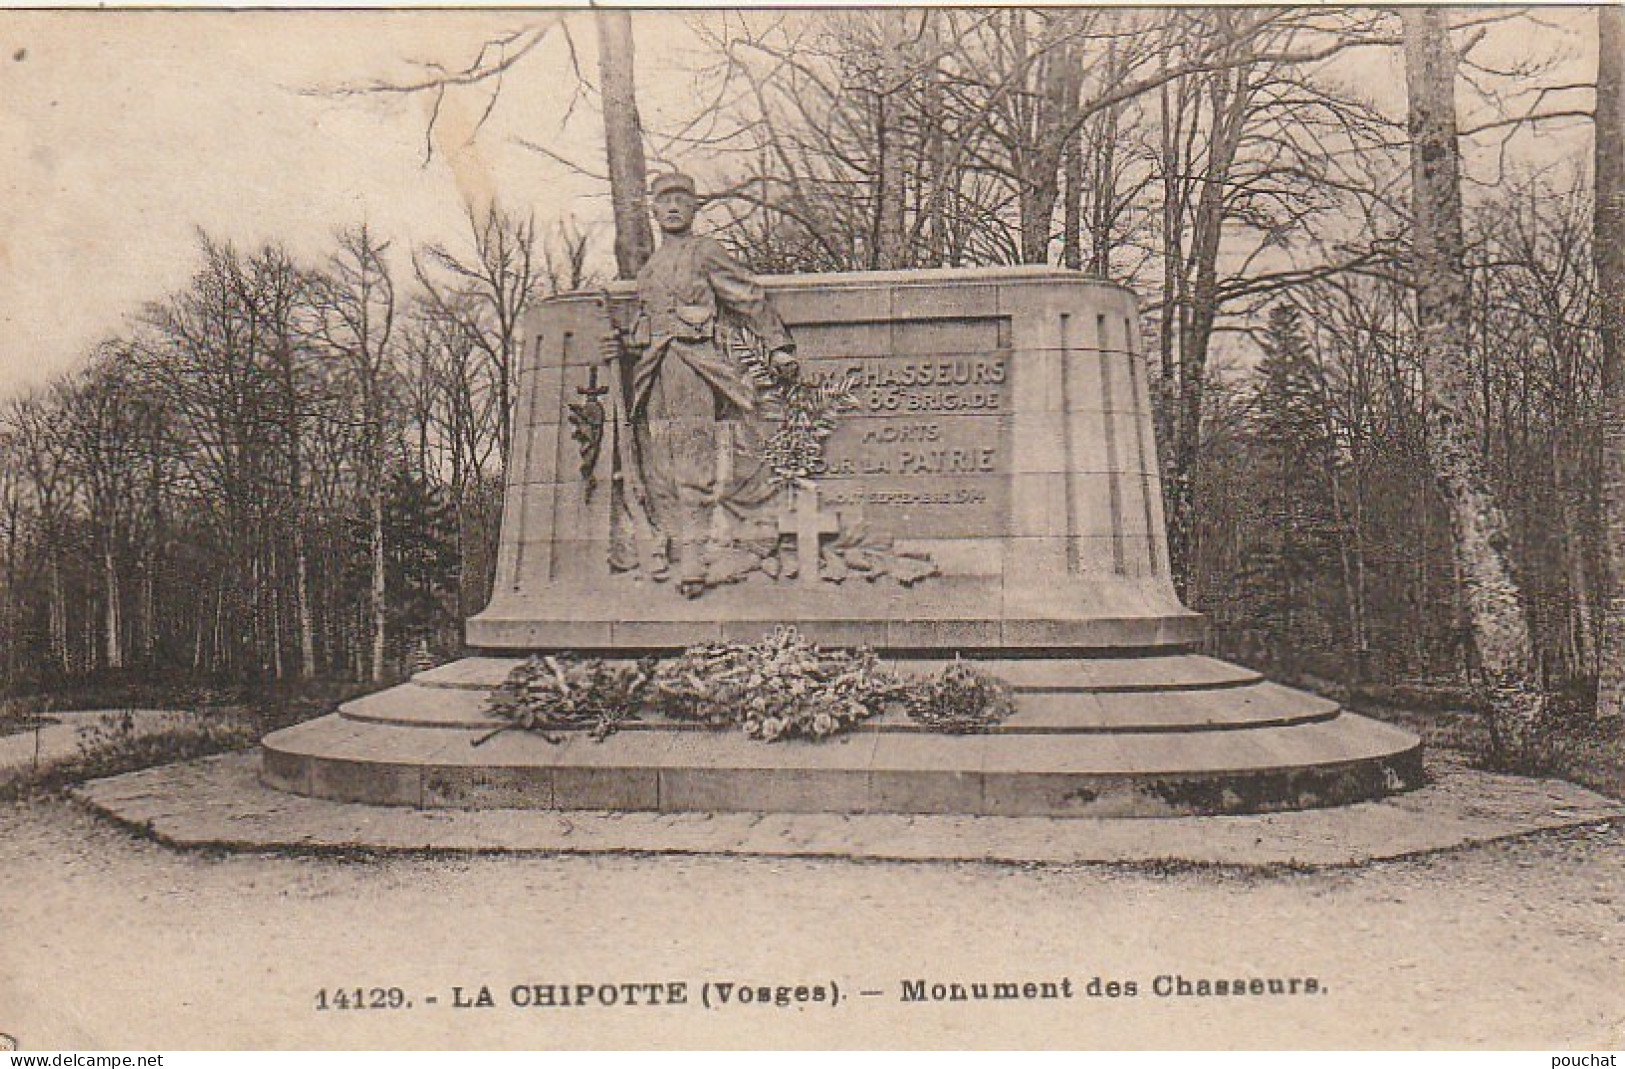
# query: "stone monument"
[986,487]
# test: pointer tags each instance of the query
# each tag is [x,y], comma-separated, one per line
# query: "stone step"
[1254,704]
[1149,673]
[1320,762]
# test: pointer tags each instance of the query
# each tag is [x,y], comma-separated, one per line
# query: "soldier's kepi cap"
[663,183]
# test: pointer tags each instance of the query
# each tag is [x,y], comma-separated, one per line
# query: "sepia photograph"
[809,528]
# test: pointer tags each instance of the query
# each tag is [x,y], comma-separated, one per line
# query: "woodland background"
[289,470]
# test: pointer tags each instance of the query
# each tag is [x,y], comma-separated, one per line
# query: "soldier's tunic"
[686,392]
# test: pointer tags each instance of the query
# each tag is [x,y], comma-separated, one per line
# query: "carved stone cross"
[810,526]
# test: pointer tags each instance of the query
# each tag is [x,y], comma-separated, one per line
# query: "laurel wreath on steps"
[782,687]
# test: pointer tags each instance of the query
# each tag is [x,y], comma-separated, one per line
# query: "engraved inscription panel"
[926,453]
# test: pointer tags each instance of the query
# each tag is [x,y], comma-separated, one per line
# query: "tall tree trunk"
[197,636]
[301,593]
[149,609]
[1103,205]
[112,621]
[1072,203]
[890,247]
[1059,75]
[292,433]
[58,610]
[1228,94]
[1578,539]
[219,652]
[255,598]
[623,142]
[8,608]
[890,242]
[9,616]
[1072,168]
[1493,599]
[379,613]
[1608,247]
[276,597]
[1168,385]
[1346,551]
[935,149]
[1103,208]
[1359,614]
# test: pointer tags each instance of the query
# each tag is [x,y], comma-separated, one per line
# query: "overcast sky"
[124,132]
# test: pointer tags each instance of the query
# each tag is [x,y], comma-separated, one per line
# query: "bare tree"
[106,434]
[623,141]
[36,424]
[202,356]
[14,525]
[499,283]
[1609,250]
[451,398]
[355,300]
[1494,601]
[1255,164]
[486,74]
[276,297]
[1537,380]
[564,258]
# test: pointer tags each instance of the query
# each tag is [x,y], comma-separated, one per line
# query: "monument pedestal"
[969,615]
[1000,430]
[1143,736]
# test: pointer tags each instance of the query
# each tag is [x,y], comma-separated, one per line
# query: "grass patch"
[21,723]
[123,744]
[1568,742]
[207,719]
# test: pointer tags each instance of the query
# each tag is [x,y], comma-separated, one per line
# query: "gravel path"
[109,941]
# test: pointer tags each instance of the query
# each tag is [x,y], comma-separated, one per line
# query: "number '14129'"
[361,998]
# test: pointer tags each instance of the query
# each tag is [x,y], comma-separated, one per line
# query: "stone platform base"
[1129,736]
[218,803]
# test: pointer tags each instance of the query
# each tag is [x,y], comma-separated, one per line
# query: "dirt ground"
[107,940]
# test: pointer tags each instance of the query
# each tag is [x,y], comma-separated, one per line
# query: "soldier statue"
[687,466]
